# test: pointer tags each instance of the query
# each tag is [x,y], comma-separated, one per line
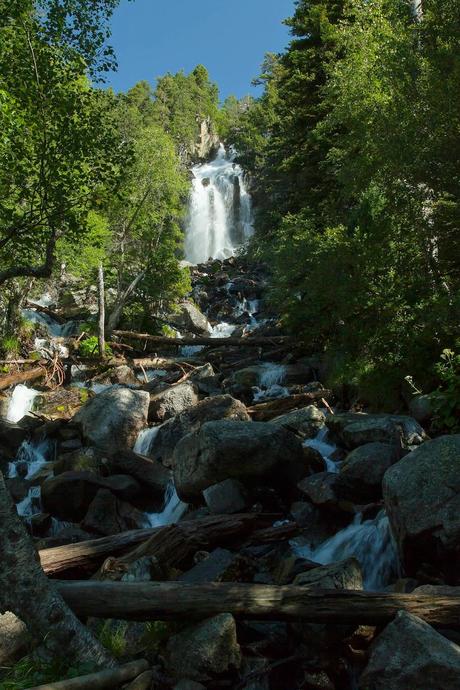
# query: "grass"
[30,671]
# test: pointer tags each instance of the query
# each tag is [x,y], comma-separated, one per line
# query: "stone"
[172,401]
[123,375]
[142,682]
[363,469]
[11,437]
[322,489]
[346,574]
[186,684]
[253,452]
[204,650]
[80,460]
[303,513]
[421,408]
[171,432]
[422,500]
[411,654]
[14,638]
[152,476]
[355,429]
[190,319]
[226,497]
[69,495]
[308,420]
[108,515]
[113,419]
[216,567]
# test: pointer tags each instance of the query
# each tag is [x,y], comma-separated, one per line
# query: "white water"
[270,379]
[34,454]
[326,449]
[218,221]
[172,511]
[145,439]
[371,542]
[21,403]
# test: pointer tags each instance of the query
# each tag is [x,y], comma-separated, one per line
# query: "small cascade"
[220,210]
[145,439]
[172,512]
[31,504]
[21,403]
[32,454]
[371,542]
[326,449]
[270,380]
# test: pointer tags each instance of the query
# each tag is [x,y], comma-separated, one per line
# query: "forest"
[230,358]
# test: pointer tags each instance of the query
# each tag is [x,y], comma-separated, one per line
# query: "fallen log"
[45,310]
[201,533]
[173,600]
[21,377]
[109,678]
[264,411]
[211,342]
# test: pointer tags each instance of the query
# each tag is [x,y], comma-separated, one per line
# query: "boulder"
[422,499]
[362,471]
[421,408]
[322,489]
[171,432]
[84,459]
[152,476]
[346,574]
[190,319]
[69,495]
[220,565]
[308,420]
[113,419]
[355,429]
[170,402]
[14,638]
[226,497]
[108,515]
[204,650]
[410,654]
[254,452]
[186,684]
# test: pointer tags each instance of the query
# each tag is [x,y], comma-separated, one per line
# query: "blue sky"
[229,37]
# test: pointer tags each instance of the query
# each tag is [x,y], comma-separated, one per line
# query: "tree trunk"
[115,314]
[263,412]
[101,330]
[417,10]
[212,342]
[21,377]
[26,591]
[174,600]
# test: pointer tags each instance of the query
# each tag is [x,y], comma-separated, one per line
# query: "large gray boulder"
[172,401]
[190,319]
[363,469]
[355,429]
[113,419]
[254,452]
[204,650]
[410,655]
[152,476]
[308,420]
[14,638]
[422,499]
[346,574]
[171,432]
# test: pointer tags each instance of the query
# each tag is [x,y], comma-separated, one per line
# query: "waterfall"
[220,210]
[173,509]
[21,403]
[270,379]
[320,443]
[145,439]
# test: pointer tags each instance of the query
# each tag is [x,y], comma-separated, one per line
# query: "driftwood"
[101,679]
[264,411]
[211,342]
[21,377]
[171,600]
[201,533]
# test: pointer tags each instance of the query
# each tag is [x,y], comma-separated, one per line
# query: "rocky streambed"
[270,483]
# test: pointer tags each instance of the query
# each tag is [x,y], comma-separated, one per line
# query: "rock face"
[191,320]
[206,649]
[422,499]
[308,420]
[172,401]
[249,451]
[171,432]
[355,429]
[409,654]
[363,470]
[113,419]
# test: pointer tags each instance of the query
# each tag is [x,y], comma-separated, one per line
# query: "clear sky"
[229,37]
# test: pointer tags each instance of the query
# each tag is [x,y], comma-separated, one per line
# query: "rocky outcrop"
[113,419]
[171,432]
[253,452]
[410,654]
[355,429]
[422,499]
[172,401]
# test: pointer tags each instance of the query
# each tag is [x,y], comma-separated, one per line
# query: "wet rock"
[421,408]
[172,401]
[40,524]
[14,638]
[204,650]
[152,476]
[322,489]
[69,495]
[411,654]
[113,419]
[355,429]
[220,565]
[190,319]
[206,381]
[346,574]
[303,513]
[362,472]
[171,432]
[107,515]
[11,437]
[226,497]
[252,452]
[422,499]
[308,420]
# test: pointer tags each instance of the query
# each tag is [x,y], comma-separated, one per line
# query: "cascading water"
[21,403]
[270,379]
[320,443]
[173,509]
[220,211]
[145,440]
